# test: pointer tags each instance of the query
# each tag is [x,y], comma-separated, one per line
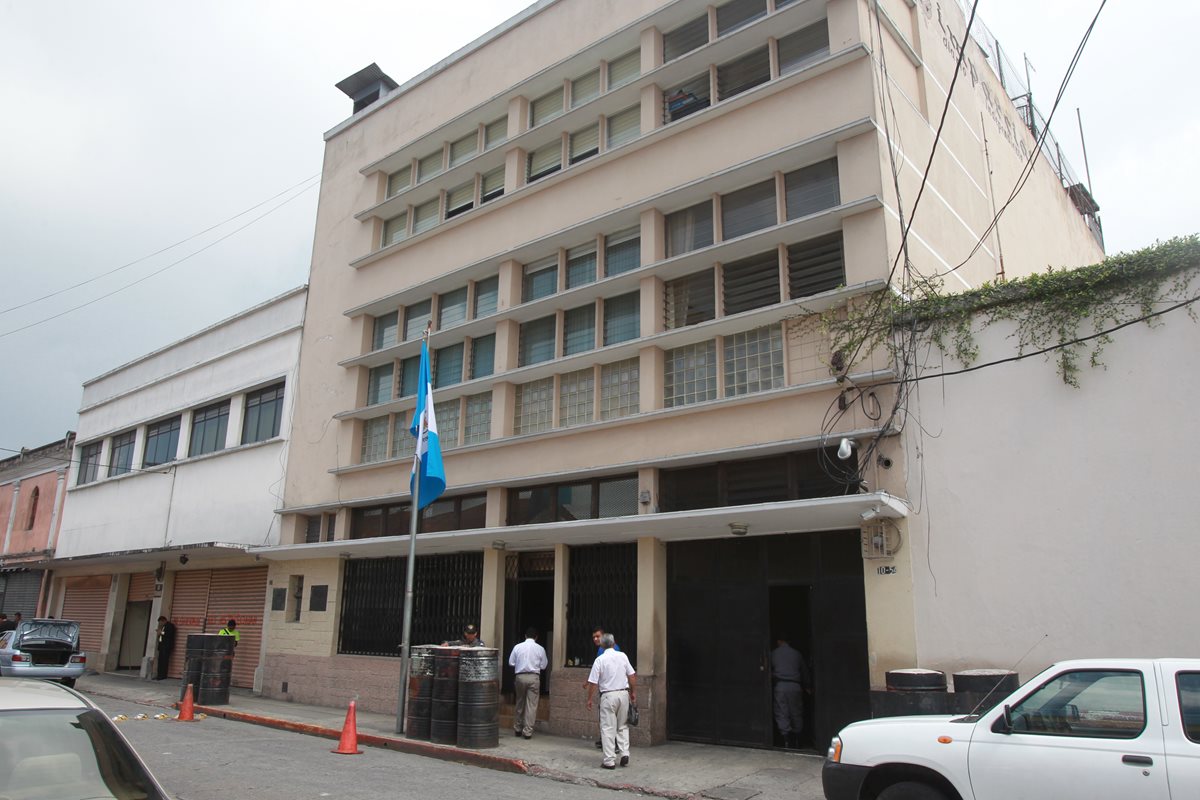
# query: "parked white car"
[1100,729]
[43,648]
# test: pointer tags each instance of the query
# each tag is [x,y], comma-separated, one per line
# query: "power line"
[161,469]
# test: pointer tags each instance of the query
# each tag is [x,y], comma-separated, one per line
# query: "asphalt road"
[216,759]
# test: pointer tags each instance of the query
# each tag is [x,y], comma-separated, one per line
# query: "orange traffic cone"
[186,711]
[348,744]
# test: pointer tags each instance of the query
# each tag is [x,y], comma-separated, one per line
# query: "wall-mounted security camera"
[884,462]
[183,558]
[845,448]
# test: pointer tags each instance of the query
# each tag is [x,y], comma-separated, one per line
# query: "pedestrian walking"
[792,681]
[613,676]
[597,632]
[528,659]
[166,643]
[231,629]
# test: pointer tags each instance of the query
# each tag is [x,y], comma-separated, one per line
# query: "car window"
[68,753]
[1188,684]
[1095,703]
[4,639]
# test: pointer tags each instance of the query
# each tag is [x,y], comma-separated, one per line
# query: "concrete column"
[651,49]
[652,294]
[651,108]
[518,116]
[56,513]
[508,289]
[114,625]
[651,361]
[514,169]
[651,609]
[496,512]
[562,568]
[342,530]
[185,435]
[847,26]
[237,416]
[653,236]
[508,339]
[648,485]
[504,405]
[12,515]
[491,606]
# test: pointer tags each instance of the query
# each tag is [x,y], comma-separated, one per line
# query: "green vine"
[1055,309]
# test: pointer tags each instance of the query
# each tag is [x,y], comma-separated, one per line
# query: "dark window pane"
[438,516]
[531,506]
[803,47]
[416,319]
[162,442]
[601,590]
[483,356]
[816,266]
[622,253]
[738,13]
[536,341]
[473,513]
[690,488]
[618,497]
[540,281]
[686,38]
[580,333]
[689,229]
[690,299]
[812,189]
[622,318]
[735,77]
[452,308]
[386,328]
[581,268]
[748,210]
[89,462]
[448,367]
[758,480]
[687,98]
[264,412]
[486,293]
[209,426]
[410,373]
[120,460]
[751,282]
[574,502]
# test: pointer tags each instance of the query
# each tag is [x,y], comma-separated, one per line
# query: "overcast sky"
[132,125]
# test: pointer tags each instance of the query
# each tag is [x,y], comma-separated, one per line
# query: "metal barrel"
[216,671]
[443,709]
[479,697]
[193,660]
[420,692]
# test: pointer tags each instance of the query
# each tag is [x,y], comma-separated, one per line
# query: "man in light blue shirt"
[527,659]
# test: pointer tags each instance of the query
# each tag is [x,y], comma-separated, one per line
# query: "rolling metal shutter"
[189,607]
[86,602]
[19,592]
[240,594]
[141,587]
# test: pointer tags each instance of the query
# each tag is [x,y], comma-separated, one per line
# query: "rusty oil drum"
[216,671]
[420,692]
[443,710]
[479,697]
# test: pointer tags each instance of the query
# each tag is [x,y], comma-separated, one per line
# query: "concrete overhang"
[149,557]
[761,519]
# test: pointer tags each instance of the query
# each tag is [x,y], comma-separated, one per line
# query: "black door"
[528,602]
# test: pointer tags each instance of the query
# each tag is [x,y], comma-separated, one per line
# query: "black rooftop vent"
[366,86]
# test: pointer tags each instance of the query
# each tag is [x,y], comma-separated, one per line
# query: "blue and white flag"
[427,463]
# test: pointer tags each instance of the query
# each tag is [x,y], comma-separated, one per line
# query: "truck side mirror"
[1004,723]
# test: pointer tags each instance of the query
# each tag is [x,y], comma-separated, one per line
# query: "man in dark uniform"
[470,638]
[6,624]
[792,681]
[166,643]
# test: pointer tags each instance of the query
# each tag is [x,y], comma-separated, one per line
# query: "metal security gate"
[189,607]
[19,591]
[240,594]
[85,600]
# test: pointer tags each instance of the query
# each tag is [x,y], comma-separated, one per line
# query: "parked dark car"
[43,648]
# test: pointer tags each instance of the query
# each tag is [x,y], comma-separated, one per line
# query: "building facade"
[621,222]
[178,465]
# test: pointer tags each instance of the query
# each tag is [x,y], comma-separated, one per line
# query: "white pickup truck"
[1100,729]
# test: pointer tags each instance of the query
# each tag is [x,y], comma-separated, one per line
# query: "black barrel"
[479,697]
[420,692]
[216,671]
[193,660]
[443,710]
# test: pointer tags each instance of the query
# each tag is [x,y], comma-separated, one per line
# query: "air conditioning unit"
[880,539]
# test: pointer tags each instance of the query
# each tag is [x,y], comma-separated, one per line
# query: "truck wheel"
[909,790]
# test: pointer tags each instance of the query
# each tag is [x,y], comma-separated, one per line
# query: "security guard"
[230,629]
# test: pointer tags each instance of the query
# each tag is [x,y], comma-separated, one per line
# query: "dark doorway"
[134,635]
[528,601]
[791,619]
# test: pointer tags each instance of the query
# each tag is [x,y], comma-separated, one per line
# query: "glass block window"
[690,300]
[687,98]
[425,216]
[624,126]
[739,13]
[815,266]
[546,108]
[399,180]
[487,292]
[452,308]
[536,342]
[618,497]
[799,49]
[579,334]
[404,444]
[416,319]
[544,161]
[89,463]
[743,74]
[690,374]
[686,38]
[619,384]
[585,88]
[812,189]
[395,229]
[483,356]
[535,406]
[690,229]
[460,199]
[492,185]
[447,415]
[209,425]
[410,374]
[447,366]
[754,361]
[581,265]
[120,458]
[622,251]
[585,143]
[162,442]
[375,440]
[462,149]
[495,133]
[622,318]
[386,328]
[751,282]
[624,69]
[379,384]
[540,279]
[478,427]
[429,166]
[748,210]
[576,397]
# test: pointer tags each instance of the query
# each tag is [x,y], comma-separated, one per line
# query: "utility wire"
[160,469]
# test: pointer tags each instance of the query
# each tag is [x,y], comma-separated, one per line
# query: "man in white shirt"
[613,675]
[528,659]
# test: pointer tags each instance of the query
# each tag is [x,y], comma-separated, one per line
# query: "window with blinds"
[536,342]
[447,415]
[690,229]
[495,133]
[487,292]
[581,265]
[492,185]
[686,38]
[459,199]
[750,283]
[815,266]
[622,318]
[483,356]
[743,74]
[622,251]
[690,374]
[462,149]
[546,108]
[739,13]
[395,229]
[812,189]
[534,407]
[619,385]
[379,384]
[690,300]
[579,330]
[386,328]
[585,88]
[416,319]
[624,126]
[748,210]
[540,279]
[624,69]
[799,49]
[374,440]
[478,427]
[448,366]
[585,143]
[687,98]
[576,397]
[410,372]
[399,180]
[452,308]
[754,361]
[429,166]
[425,216]
[544,161]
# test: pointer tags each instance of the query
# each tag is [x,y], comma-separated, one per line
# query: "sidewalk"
[674,770]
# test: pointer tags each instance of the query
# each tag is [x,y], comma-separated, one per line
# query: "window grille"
[799,49]
[691,374]
[622,251]
[395,229]
[544,161]
[536,341]
[686,38]
[581,265]
[429,166]
[386,328]
[460,199]
[585,143]
[209,425]
[404,444]
[312,530]
[462,149]
[753,361]
[738,14]
[410,373]
[263,415]
[816,265]
[623,69]
[601,590]
[576,397]
[162,443]
[478,427]
[796,476]
[690,300]
[374,441]
[447,415]
[120,459]
[399,180]
[690,229]
[751,282]
[812,189]
[748,210]
[483,356]
[448,366]
[687,98]
[425,216]
[619,386]
[579,334]
[487,291]
[416,319]
[585,88]
[624,126]
[452,308]
[540,279]
[743,74]
[535,407]
[546,108]
[493,185]
[495,133]
[379,384]
[622,318]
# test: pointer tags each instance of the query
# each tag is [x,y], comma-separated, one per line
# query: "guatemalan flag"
[427,464]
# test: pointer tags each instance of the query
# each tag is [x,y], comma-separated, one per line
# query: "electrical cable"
[160,469]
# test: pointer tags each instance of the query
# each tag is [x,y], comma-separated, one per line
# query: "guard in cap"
[470,638]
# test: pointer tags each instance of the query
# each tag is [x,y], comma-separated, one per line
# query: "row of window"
[466,360]
[462,421]
[474,301]
[208,433]
[607,133]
